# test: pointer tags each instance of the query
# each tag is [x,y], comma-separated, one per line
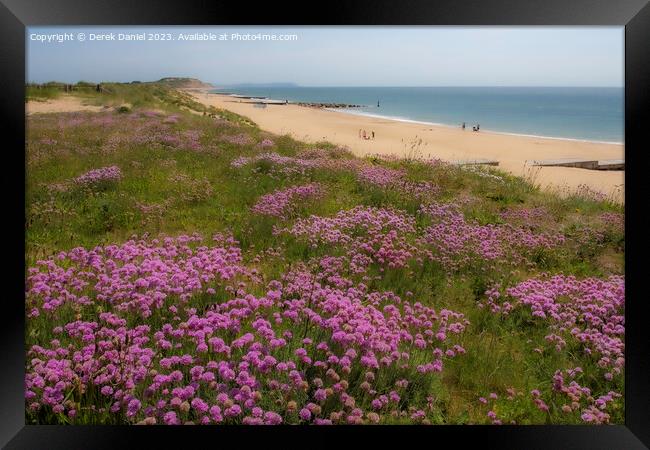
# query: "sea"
[580,113]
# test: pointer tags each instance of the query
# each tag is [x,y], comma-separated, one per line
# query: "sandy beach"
[514,153]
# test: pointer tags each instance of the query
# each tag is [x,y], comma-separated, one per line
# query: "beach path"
[64,103]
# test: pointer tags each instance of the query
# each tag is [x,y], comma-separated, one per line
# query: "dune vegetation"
[184,266]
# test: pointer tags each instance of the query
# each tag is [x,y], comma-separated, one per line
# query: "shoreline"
[352,109]
[483,130]
[402,138]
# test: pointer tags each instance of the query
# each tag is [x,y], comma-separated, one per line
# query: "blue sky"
[342,56]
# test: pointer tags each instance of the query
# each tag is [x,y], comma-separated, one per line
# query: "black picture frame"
[16,15]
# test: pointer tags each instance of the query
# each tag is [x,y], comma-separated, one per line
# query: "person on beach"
[463,126]
[364,134]
[373,134]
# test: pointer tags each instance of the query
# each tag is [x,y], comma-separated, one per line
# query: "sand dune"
[64,103]
[514,153]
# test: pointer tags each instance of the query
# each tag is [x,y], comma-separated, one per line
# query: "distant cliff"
[184,83]
[264,85]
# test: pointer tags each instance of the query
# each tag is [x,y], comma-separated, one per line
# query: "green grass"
[198,191]
[44,93]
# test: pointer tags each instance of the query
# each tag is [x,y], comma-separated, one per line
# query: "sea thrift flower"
[170,418]
[99,177]
[283,201]
[133,407]
[457,243]
[241,369]
[305,414]
[239,139]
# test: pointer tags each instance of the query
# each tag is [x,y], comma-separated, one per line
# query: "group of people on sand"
[476,128]
[365,135]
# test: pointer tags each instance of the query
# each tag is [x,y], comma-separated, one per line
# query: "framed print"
[382,219]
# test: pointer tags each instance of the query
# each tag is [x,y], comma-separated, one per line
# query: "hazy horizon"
[290,84]
[337,56]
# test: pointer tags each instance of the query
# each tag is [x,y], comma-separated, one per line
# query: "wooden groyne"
[591,164]
[267,101]
[611,164]
[247,97]
[326,105]
[476,162]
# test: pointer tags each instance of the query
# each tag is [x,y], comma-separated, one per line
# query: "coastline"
[483,130]
[399,137]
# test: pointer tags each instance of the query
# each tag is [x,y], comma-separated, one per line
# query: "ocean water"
[583,113]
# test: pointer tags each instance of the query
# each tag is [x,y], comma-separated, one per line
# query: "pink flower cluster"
[370,235]
[589,312]
[420,190]
[119,132]
[387,178]
[266,143]
[292,355]
[382,177]
[138,276]
[152,213]
[530,217]
[379,176]
[73,120]
[97,177]
[458,243]
[187,139]
[288,165]
[588,193]
[191,190]
[282,201]
[594,410]
[491,403]
[615,221]
[149,128]
[586,313]
[324,153]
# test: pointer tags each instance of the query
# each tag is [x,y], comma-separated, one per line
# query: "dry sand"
[449,144]
[64,103]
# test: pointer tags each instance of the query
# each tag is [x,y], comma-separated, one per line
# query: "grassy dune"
[323,288]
